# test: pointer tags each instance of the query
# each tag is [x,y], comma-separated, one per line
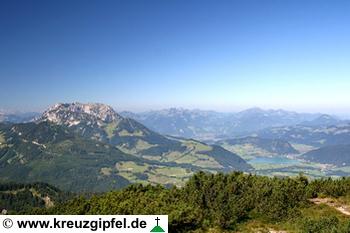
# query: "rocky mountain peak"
[73,113]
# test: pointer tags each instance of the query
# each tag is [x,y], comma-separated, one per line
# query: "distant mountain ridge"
[183,122]
[323,120]
[312,135]
[338,155]
[209,125]
[198,124]
[17,117]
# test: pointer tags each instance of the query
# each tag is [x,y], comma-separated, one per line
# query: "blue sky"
[151,54]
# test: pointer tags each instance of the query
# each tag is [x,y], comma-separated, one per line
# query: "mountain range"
[210,125]
[90,147]
[319,135]
[180,140]
[17,117]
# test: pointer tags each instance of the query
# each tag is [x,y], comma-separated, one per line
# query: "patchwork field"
[152,174]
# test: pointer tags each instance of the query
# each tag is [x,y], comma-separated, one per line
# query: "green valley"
[89,147]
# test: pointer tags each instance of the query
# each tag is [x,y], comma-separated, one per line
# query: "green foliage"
[206,201]
[18,198]
[329,187]
[324,225]
[218,203]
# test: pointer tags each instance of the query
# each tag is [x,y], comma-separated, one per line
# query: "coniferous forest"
[234,202]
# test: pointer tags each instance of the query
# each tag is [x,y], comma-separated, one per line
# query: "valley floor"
[272,164]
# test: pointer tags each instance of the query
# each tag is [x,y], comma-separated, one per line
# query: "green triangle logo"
[157,229]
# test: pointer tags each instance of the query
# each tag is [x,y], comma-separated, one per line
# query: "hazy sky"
[138,55]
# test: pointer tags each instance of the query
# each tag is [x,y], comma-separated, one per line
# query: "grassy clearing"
[153,174]
[173,156]
[164,180]
[143,145]
[140,146]
[200,160]
[106,171]
[247,151]
[173,172]
[131,167]
[110,128]
[125,133]
[206,162]
[196,146]
[303,148]
[2,140]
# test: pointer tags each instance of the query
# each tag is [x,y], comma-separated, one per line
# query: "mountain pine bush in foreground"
[227,202]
